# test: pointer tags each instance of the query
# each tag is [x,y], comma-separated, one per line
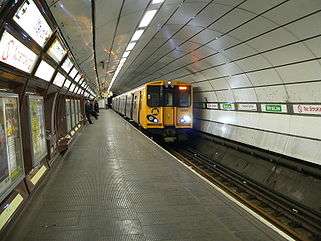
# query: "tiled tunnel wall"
[252,62]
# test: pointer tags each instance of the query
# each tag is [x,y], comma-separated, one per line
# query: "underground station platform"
[116,184]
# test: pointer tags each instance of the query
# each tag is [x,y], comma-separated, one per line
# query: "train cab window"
[183,96]
[168,97]
[154,96]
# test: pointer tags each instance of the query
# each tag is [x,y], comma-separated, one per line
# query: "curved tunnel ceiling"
[235,51]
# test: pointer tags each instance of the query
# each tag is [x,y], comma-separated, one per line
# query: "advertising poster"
[38,134]
[73,112]
[4,169]
[68,115]
[11,164]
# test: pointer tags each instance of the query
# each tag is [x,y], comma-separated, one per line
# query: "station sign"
[227,106]
[44,71]
[16,54]
[247,107]
[56,51]
[213,106]
[307,109]
[30,19]
[274,108]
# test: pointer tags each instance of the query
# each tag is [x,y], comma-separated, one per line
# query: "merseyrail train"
[161,107]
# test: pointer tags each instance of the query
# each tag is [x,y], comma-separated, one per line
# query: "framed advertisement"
[73,113]
[11,157]
[30,19]
[68,115]
[37,127]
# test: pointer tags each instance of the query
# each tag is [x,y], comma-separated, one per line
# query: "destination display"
[37,126]
[11,160]
[45,71]
[68,115]
[56,51]
[29,18]
[14,53]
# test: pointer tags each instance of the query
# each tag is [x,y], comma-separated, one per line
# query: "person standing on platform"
[88,111]
[96,107]
[93,112]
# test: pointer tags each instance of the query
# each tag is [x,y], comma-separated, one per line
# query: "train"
[161,107]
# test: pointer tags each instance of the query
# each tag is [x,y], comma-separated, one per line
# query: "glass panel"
[56,51]
[168,94]
[59,80]
[73,73]
[68,115]
[11,163]
[16,54]
[153,96]
[67,65]
[44,71]
[72,87]
[67,83]
[37,125]
[183,96]
[29,18]
[79,110]
[73,112]
[77,78]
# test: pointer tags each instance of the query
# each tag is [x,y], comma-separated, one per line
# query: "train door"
[131,106]
[168,107]
[136,107]
[139,105]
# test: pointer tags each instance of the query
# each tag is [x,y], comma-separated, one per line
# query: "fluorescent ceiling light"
[137,35]
[126,54]
[148,17]
[157,1]
[130,46]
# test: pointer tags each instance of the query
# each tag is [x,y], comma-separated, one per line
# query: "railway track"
[298,221]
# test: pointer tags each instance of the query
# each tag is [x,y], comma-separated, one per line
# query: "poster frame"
[14,184]
[32,96]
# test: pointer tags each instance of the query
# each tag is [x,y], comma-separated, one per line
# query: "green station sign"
[228,106]
[273,108]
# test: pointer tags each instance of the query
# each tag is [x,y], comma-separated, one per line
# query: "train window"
[168,97]
[183,96]
[153,96]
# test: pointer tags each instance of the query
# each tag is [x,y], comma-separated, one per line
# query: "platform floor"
[116,185]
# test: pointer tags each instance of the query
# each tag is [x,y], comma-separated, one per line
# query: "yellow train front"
[162,107]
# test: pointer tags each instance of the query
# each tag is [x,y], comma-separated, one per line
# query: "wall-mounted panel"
[11,158]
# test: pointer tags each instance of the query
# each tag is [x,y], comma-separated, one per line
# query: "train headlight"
[152,118]
[186,119]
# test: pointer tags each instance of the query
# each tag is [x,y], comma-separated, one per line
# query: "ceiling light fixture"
[145,21]
[137,35]
[130,46]
[148,17]
[157,1]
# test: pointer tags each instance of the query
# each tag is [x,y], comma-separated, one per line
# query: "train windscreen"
[183,96]
[154,96]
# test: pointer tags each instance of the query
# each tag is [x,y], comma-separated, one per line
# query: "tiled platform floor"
[117,185]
